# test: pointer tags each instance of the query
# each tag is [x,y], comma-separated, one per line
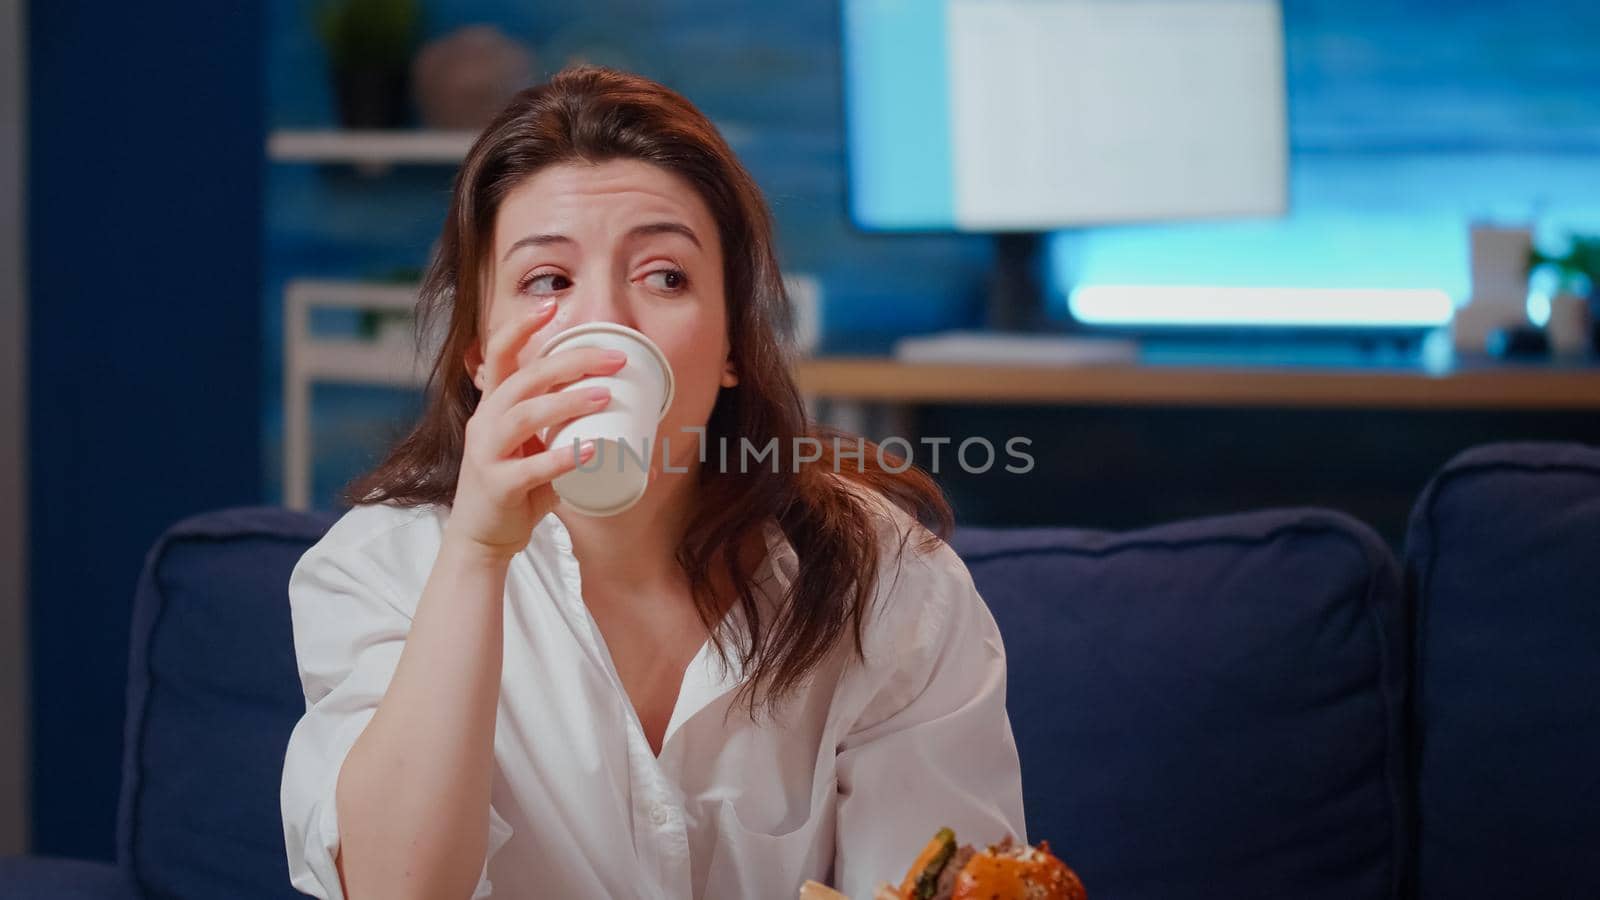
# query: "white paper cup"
[624,431]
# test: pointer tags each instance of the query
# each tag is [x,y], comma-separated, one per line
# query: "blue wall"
[144,146]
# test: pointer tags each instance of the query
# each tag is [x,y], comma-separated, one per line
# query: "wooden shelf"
[877,379]
[370,148]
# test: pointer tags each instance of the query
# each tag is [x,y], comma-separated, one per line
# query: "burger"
[1003,871]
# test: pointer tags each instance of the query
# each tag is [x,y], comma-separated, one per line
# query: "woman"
[747,679]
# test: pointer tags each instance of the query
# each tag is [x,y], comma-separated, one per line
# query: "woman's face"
[621,241]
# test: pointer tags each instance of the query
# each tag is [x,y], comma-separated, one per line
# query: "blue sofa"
[1263,705]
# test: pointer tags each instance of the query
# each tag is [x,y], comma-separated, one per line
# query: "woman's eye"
[544,282]
[671,280]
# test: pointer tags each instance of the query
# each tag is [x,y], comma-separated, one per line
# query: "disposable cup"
[624,431]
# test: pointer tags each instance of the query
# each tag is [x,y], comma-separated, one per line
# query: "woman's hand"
[503,489]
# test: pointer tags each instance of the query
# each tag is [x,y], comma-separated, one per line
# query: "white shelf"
[370,148]
[342,294]
[391,360]
[398,146]
[364,362]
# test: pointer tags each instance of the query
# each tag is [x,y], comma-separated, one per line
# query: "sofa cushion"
[1503,558]
[1211,708]
[50,878]
[213,692]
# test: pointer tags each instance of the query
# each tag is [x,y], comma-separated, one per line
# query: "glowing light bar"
[1132,304]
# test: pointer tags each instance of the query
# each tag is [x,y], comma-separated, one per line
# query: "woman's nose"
[607,302]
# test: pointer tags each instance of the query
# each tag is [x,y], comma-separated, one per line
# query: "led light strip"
[1132,304]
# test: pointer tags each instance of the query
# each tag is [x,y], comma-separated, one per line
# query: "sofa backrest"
[1207,708]
[1211,708]
[213,692]
[1503,559]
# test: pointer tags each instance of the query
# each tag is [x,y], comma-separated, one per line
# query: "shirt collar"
[708,677]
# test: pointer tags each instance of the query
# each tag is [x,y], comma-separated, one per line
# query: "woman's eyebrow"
[537,240]
[664,228]
[650,228]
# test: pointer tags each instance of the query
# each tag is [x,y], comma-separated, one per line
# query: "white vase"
[1568,328]
[462,80]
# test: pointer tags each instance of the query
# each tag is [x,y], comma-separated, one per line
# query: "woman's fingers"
[544,467]
[548,373]
[500,355]
[527,418]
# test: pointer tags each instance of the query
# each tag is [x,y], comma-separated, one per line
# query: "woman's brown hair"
[591,114]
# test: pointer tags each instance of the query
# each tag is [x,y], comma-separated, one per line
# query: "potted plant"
[369,45]
[1577,272]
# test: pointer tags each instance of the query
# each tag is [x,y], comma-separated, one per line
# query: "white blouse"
[856,773]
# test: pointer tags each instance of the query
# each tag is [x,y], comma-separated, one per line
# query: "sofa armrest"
[45,878]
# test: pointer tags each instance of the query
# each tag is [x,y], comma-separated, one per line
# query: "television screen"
[1030,115]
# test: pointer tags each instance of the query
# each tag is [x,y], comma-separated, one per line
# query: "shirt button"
[659,813]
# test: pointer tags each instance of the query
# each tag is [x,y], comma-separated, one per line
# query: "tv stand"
[1015,301]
